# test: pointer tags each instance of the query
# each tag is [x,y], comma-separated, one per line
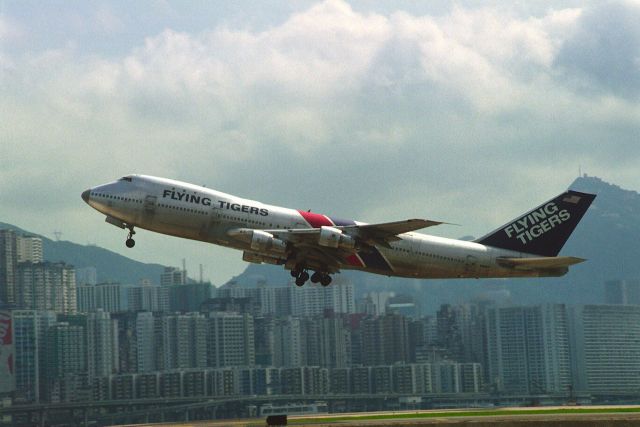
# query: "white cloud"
[10,30]
[603,53]
[467,117]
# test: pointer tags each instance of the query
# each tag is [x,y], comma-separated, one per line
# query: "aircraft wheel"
[325,280]
[130,242]
[294,273]
[316,277]
[300,282]
[304,276]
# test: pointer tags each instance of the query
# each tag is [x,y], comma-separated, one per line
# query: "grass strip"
[483,413]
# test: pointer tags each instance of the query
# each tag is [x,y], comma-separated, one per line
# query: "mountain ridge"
[110,266]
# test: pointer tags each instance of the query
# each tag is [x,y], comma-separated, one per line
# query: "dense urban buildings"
[75,339]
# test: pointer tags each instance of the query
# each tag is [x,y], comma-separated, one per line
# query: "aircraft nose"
[85,195]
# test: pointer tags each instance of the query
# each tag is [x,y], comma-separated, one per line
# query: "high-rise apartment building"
[189,297]
[450,321]
[182,341]
[143,297]
[86,298]
[288,343]
[173,276]
[101,344]
[145,353]
[460,332]
[606,348]
[66,362]
[30,338]
[231,340]
[308,300]
[8,266]
[46,286]
[314,299]
[325,341]
[528,349]
[127,341]
[384,340]
[108,297]
[29,249]
[264,339]
[335,342]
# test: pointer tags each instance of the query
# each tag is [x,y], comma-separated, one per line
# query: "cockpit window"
[125,178]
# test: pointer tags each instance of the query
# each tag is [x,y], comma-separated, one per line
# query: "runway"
[600,416]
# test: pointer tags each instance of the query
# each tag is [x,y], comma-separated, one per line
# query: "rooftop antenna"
[184,270]
[57,235]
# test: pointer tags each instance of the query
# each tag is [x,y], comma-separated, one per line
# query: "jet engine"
[332,237]
[261,241]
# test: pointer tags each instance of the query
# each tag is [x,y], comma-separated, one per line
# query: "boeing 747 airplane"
[304,241]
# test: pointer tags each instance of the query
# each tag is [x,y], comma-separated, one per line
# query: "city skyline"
[69,341]
[426,117]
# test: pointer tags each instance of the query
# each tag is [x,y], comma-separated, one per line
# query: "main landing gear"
[302,276]
[130,242]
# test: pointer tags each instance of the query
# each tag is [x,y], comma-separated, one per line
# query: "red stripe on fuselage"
[318,220]
[315,220]
[354,259]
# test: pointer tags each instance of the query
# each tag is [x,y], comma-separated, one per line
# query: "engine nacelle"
[261,241]
[332,237]
[259,259]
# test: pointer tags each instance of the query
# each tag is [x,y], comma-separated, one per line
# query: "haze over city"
[467,113]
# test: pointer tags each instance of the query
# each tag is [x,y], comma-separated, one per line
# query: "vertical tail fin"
[545,229]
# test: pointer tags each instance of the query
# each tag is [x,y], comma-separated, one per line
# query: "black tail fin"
[545,229]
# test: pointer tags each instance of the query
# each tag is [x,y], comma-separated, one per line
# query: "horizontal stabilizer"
[540,263]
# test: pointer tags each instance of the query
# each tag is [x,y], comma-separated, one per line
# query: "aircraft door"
[471,265]
[150,205]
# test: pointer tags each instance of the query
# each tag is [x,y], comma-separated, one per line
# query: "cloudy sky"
[469,113]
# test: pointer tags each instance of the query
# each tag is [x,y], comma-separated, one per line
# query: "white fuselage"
[193,212]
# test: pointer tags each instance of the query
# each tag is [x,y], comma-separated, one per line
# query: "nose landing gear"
[130,242]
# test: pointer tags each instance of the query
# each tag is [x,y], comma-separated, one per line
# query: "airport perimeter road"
[620,416]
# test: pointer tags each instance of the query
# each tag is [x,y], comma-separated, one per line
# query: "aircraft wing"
[389,229]
[371,234]
[383,233]
[539,263]
[304,242]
